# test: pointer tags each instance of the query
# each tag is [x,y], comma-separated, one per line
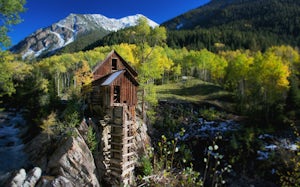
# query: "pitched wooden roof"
[128,67]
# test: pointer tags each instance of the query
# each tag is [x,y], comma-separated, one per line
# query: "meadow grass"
[196,91]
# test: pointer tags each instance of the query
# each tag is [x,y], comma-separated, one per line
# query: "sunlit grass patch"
[195,90]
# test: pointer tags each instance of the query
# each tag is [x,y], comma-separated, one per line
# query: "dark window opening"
[114,64]
[116,94]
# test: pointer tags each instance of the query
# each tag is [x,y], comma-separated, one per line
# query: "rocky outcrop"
[23,179]
[142,139]
[65,162]
[74,161]
[48,181]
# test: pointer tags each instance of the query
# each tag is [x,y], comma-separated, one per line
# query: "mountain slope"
[232,22]
[245,14]
[67,30]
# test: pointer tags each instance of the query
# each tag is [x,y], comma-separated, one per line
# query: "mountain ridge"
[238,24]
[45,41]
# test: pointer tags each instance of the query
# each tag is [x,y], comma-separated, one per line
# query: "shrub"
[48,124]
[91,139]
[211,114]
[146,165]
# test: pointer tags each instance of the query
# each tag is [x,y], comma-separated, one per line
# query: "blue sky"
[42,13]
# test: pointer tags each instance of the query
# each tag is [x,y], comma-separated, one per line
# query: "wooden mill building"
[113,100]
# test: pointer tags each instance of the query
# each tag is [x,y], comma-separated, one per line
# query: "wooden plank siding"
[105,67]
[128,91]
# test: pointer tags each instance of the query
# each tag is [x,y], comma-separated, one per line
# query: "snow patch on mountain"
[112,24]
[70,41]
[65,31]
[61,41]
[179,26]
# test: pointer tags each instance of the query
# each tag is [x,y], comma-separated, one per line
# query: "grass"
[196,91]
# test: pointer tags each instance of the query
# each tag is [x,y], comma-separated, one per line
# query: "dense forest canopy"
[278,16]
[238,24]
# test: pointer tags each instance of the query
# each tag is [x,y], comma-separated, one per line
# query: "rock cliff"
[67,161]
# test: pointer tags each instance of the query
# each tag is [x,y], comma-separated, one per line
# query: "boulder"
[74,161]
[21,179]
[68,157]
[32,177]
[18,178]
[39,149]
[59,181]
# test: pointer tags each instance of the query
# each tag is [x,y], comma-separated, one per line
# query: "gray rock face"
[18,179]
[21,179]
[66,162]
[32,177]
[74,161]
[60,181]
[65,31]
[142,138]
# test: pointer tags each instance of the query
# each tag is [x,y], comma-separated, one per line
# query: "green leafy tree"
[204,62]
[146,39]
[269,78]
[6,75]
[177,56]
[12,72]
[9,15]
[237,74]
[83,77]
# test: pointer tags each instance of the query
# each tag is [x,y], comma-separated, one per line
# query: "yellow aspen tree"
[270,74]
[146,38]
[47,125]
[218,69]
[84,77]
[127,52]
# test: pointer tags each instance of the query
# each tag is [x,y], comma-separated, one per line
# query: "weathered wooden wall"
[106,66]
[128,92]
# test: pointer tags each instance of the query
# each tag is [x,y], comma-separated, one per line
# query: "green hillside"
[249,24]
[278,16]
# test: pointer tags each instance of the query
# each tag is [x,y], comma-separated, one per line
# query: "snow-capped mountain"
[64,32]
